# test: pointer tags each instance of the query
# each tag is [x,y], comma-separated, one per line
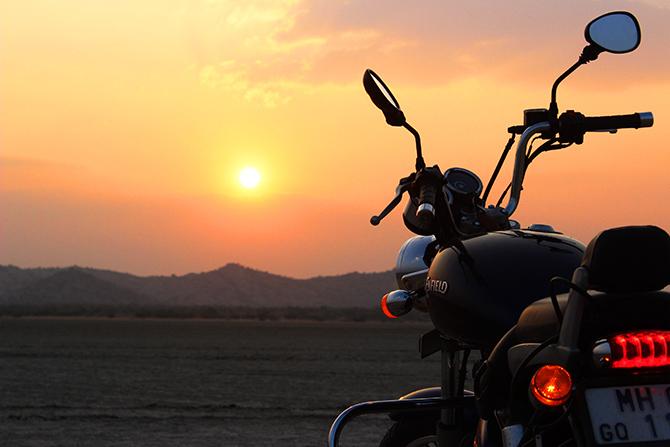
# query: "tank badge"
[437,286]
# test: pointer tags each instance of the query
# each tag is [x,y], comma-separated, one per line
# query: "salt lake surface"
[200,383]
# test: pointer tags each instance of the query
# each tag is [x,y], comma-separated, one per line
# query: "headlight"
[411,268]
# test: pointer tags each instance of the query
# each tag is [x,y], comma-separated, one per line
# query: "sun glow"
[250,177]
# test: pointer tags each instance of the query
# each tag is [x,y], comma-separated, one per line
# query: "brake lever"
[402,187]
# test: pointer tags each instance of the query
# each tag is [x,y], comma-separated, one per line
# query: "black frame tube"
[497,169]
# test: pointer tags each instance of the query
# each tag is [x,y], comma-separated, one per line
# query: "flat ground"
[200,383]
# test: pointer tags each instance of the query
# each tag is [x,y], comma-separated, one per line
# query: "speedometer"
[462,182]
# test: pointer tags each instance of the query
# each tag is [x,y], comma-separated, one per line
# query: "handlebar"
[426,210]
[571,126]
[520,164]
[634,121]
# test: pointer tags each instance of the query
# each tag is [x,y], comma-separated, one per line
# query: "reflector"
[648,349]
[551,385]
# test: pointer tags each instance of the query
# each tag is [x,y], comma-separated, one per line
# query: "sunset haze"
[125,126]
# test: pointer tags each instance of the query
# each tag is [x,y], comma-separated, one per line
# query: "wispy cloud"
[267,51]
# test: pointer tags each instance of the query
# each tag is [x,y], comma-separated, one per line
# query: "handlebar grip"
[426,210]
[634,120]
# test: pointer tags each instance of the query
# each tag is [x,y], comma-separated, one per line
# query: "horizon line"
[229,264]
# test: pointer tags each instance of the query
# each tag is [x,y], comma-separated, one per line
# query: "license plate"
[630,414]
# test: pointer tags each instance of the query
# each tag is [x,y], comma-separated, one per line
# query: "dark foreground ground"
[199,383]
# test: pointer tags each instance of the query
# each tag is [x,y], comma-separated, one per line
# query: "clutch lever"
[402,187]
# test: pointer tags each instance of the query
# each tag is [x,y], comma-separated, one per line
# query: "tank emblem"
[435,285]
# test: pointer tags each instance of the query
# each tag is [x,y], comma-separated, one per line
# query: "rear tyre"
[411,433]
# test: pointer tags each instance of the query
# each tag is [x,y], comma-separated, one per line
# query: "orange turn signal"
[385,307]
[551,385]
[397,303]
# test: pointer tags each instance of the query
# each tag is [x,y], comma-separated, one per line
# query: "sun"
[250,177]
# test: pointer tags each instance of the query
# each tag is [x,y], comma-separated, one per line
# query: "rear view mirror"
[382,97]
[614,32]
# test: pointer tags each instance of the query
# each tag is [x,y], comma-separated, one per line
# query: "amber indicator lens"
[551,385]
[385,307]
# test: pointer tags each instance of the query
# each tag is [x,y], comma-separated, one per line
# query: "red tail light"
[648,349]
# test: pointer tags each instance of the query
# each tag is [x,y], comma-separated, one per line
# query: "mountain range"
[230,286]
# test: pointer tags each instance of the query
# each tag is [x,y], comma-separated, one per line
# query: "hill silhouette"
[231,286]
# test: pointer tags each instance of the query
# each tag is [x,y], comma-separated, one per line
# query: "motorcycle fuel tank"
[477,292]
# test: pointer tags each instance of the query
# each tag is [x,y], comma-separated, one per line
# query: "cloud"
[269,51]
[236,79]
[235,49]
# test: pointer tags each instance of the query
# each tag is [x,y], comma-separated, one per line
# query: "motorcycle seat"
[628,259]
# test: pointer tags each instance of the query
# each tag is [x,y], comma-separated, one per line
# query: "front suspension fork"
[450,427]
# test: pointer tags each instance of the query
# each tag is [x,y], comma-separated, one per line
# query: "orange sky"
[124,125]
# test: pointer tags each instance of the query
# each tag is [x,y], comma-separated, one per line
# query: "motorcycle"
[574,340]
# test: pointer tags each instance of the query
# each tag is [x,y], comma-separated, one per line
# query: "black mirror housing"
[382,97]
[616,32]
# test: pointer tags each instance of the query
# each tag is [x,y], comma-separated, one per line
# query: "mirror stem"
[420,164]
[589,53]
[553,106]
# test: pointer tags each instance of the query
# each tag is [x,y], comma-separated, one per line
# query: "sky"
[124,125]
